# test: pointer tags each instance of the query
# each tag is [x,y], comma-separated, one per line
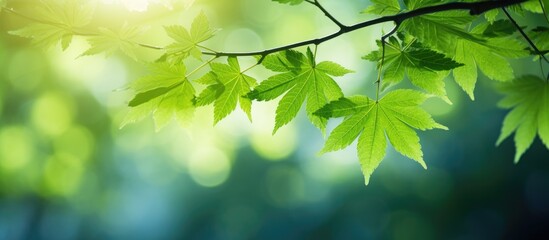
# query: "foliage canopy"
[431,40]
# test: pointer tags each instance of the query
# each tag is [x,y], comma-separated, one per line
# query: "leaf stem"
[383,43]
[249,68]
[536,50]
[330,16]
[148,46]
[201,66]
[207,49]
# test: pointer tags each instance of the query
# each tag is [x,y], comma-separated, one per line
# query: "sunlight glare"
[143,5]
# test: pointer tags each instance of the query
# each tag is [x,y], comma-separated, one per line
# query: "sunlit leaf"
[491,15]
[291,2]
[489,56]
[301,79]
[230,85]
[532,6]
[187,42]
[56,22]
[383,7]
[540,37]
[439,30]
[528,97]
[109,41]
[424,67]
[395,117]
[165,93]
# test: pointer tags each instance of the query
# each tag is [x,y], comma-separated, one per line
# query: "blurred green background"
[67,171]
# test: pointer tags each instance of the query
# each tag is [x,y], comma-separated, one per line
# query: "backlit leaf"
[383,7]
[424,67]
[489,56]
[440,31]
[291,2]
[301,79]
[528,97]
[110,41]
[56,22]
[230,87]
[395,116]
[186,42]
[165,93]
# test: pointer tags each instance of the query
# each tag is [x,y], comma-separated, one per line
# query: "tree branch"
[474,8]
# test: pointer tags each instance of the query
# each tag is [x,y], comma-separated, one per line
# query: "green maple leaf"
[491,15]
[438,30]
[528,97]
[56,22]
[540,37]
[533,6]
[301,79]
[396,116]
[383,7]
[164,93]
[489,56]
[229,86]
[499,28]
[109,41]
[424,67]
[291,2]
[187,42]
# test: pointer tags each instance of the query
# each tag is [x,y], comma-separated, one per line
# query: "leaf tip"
[366,180]
[216,121]
[447,100]
[440,126]
[422,163]
[278,125]
[518,155]
[323,151]
[275,129]
[517,158]
[500,140]
[471,96]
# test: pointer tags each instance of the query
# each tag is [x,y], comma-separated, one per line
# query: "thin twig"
[206,48]
[538,52]
[330,16]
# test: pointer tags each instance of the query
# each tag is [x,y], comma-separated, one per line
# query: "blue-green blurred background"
[67,171]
